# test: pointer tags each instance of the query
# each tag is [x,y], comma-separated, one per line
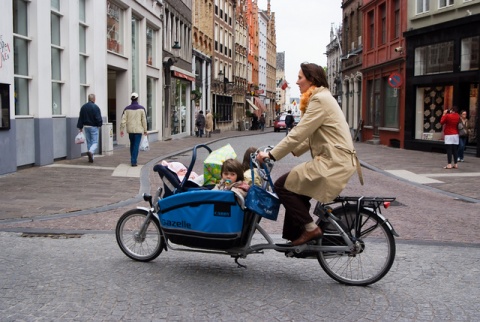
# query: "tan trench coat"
[324,132]
[209,122]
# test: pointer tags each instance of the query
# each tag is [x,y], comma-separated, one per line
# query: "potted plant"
[196,95]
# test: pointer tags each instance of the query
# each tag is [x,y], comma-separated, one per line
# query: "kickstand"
[239,265]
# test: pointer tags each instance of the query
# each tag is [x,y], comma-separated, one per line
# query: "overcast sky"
[303,32]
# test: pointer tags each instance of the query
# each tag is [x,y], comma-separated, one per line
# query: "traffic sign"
[395,80]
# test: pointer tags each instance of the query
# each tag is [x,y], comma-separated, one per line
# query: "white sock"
[310,226]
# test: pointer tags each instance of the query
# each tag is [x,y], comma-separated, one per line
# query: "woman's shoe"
[448,166]
[308,236]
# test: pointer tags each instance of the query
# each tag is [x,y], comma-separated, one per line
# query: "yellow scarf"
[305,98]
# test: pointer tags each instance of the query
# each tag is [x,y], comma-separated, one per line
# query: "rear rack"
[364,201]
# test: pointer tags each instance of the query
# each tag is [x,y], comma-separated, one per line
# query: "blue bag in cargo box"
[202,218]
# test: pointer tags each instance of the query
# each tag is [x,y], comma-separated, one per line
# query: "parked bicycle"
[357,247]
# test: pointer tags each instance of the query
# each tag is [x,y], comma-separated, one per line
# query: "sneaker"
[90,156]
[461,160]
[458,159]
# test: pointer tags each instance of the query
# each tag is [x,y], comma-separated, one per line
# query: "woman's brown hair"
[246,158]
[315,74]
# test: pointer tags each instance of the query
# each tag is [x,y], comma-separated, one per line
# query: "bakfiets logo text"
[222,210]
[176,224]
[222,213]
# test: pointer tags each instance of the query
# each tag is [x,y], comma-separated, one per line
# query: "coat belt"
[355,161]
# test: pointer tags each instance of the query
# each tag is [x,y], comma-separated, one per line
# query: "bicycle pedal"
[289,254]
[304,255]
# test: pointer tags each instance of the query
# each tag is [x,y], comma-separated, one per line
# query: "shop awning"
[260,104]
[181,73]
[251,104]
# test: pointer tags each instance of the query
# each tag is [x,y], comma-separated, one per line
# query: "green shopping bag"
[212,166]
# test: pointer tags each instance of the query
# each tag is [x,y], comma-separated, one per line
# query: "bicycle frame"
[357,247]
[366,203]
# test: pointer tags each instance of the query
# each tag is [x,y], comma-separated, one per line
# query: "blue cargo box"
[202,218]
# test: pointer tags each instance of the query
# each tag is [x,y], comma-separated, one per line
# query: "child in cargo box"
[232,179]
[246,168]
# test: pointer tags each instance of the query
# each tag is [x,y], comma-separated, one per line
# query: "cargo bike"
[357,247]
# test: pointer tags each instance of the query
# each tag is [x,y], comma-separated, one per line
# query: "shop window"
[469,53]
[56,81]
[114,28]
[179,114]
[4,107]
[135,53]
[82,45]
[151,34]
[21,43]
[56,57]
[21,96]
[151,101]
[434,59]
[382,104]
[390,116]
[431,102]
[56,98]
[472,114]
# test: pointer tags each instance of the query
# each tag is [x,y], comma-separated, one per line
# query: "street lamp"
[224,80]
[176,49]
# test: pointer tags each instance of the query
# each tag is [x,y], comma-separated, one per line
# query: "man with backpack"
[289,120]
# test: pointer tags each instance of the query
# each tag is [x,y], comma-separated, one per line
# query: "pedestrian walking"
[289,120]
[463,135]
[450,119]
[134,119]
[89,122]
[200,123]
[262,122]
[208,124]
[254,122]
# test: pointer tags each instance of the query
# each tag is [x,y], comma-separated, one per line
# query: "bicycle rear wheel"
[373,253]
[141,246]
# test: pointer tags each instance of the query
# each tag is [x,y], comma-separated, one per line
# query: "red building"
[383,70]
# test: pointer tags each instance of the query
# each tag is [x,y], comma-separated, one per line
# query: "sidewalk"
[77,187]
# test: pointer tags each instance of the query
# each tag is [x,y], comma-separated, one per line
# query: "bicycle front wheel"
[372,255]
[138,239]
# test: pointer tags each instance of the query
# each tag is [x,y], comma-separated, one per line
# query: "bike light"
[386,204]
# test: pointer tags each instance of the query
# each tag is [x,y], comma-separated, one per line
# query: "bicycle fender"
[388,224]
[147,210]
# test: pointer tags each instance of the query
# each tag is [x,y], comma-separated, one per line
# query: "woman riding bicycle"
[324,132]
